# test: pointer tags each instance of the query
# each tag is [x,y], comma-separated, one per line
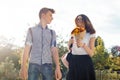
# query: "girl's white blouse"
[80,50]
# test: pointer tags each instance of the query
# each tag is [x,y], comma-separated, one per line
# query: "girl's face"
[79,22]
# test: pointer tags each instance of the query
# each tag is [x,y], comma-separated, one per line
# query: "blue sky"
[16,16]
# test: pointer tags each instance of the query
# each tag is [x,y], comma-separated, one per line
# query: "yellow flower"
[77,30]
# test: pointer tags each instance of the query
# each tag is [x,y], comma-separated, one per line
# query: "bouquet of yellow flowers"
[79,33]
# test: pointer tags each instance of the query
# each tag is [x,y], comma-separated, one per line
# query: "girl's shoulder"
[91,35]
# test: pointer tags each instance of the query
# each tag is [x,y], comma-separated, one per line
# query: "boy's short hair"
[45,10]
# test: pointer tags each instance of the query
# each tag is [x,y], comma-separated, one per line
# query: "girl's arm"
[90,49]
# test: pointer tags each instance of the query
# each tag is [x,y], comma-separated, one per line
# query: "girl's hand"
[71,40]
[70,43]
[79,43]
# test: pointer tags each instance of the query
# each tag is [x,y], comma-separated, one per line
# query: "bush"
[7,70]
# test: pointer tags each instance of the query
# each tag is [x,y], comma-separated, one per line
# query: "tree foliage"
[8,70]
[115,50]
[9,60]
[115,60]
[101,56]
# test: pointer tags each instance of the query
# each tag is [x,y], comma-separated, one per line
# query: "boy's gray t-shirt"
[41,40]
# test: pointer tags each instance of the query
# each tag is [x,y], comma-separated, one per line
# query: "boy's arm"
[55,55]
[24,60]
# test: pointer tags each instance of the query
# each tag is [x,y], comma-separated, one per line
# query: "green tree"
[101,56]
[9,59]
[115,60]
[8,70]
[115,50]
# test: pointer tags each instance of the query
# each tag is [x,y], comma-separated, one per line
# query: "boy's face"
[48,17]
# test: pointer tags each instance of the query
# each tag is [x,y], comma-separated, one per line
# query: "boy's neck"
[43,24]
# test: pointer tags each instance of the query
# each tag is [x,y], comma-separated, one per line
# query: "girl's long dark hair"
[88,25]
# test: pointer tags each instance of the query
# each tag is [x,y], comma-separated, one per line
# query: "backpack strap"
[31,37]
[51,37]
[31,33]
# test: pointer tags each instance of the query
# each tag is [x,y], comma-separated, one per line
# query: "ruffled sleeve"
[92,35]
